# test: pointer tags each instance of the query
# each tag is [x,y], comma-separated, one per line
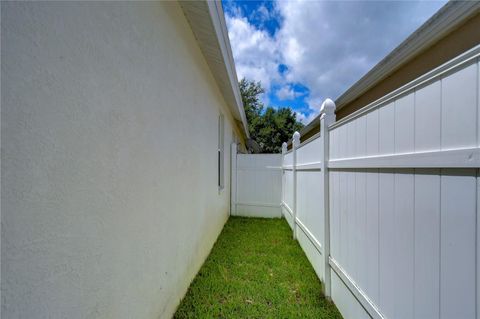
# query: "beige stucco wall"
[109,172]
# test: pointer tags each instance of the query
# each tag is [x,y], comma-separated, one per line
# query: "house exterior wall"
[109,133]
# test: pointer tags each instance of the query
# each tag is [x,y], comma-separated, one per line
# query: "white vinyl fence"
[386,202]
[256,184]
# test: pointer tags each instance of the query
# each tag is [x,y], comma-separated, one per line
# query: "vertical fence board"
[342,140]
[315,208]
[404,124]
[361,228]
[334,144]
[233,179]
[372,133]
[288,196]
[343,219]
[351,229]
[459,94]
[351,139]
[458,220]
[302,197]
[310,210]
[428,117]
[427,243]
[404,243]
[371,234]
[361,136]
[386,120]
[387,242]
[334,214]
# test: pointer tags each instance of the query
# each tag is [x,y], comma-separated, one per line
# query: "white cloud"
[255,52]
[305,119]
[288,93]
[262,13]
[327,46]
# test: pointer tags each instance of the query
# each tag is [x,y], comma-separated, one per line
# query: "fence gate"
[256,188]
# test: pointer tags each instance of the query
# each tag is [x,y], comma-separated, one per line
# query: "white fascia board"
[218,20]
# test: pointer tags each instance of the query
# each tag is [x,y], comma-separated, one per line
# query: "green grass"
[256,270]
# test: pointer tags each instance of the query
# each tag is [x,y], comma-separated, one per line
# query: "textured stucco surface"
[109,172]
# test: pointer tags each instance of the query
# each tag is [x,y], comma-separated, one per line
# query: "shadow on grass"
[256,270]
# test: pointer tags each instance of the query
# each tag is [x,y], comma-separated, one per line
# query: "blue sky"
[306,51]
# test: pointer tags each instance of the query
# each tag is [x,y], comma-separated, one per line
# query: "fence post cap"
[328,107]
[296,139]
[284,147]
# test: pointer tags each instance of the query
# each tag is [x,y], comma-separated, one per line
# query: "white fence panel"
[309,209]
[303,203]
[402,186]
[427,243]
[287,203]
[308,154]
[287,199]
[310,217]
[258,182]
[388,198]
[288,159]
[404,198]
[287,185]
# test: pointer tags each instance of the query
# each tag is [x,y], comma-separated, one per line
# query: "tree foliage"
[269,127]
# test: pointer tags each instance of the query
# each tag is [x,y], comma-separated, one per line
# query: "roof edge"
[207,22]
[444,21]
[218,19]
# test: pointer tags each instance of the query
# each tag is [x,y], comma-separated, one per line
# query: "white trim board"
[461,158]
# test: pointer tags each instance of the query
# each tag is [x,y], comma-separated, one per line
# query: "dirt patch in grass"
[256,270]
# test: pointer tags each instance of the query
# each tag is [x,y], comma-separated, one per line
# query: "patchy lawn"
[256,270]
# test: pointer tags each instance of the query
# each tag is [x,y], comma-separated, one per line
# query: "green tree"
[251,92]
[270,127]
